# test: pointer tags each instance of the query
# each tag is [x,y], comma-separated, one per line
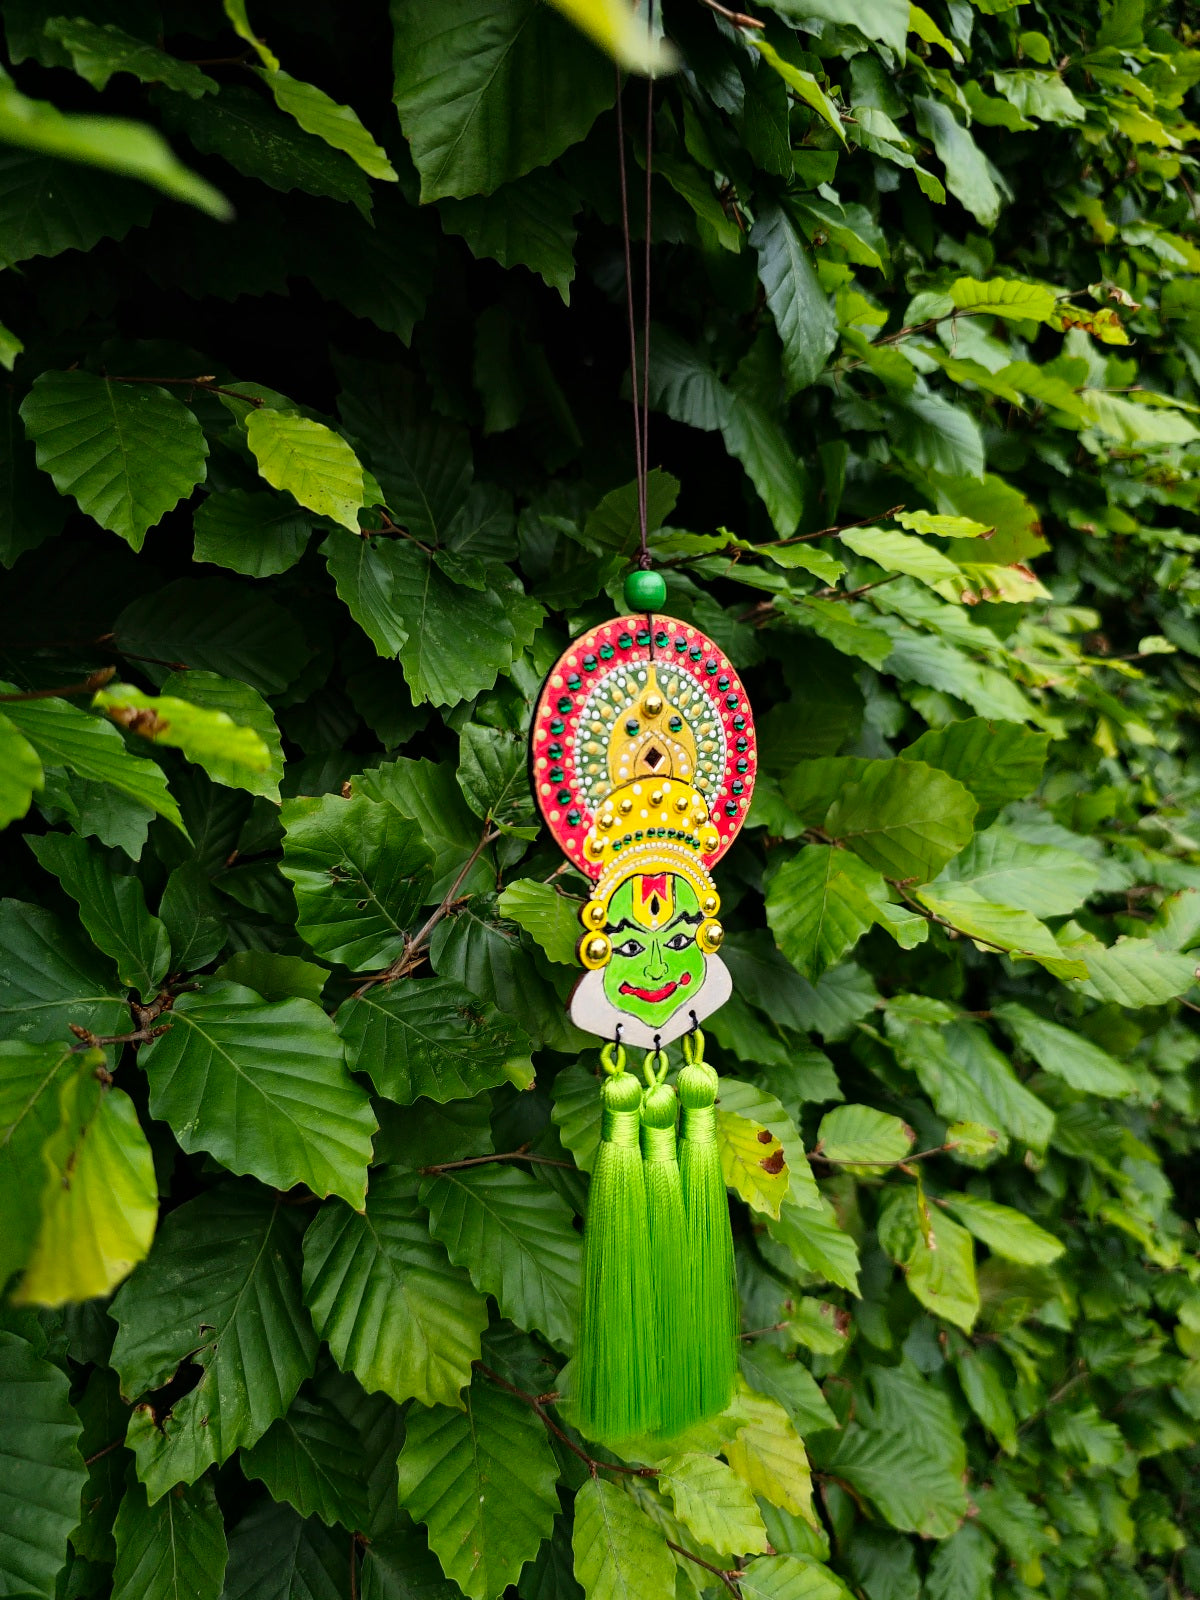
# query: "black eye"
[680,941]
[630,948]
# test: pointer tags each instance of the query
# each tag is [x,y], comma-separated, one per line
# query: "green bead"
[645,591]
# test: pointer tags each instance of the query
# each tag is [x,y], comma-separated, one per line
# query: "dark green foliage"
[296,511]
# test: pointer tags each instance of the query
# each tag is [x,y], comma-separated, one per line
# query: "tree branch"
[416,944]
[96,680]
[89,1040]
[508,1155]
[738,18]
[729,1579]
[534,1402]
[207,382]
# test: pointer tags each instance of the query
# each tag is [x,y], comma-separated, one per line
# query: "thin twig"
[919,1155]
[838,527]
[207,382]
[353,1566]
[90,1041]
[853,594]
[738,18]
[414,947]
[107,1451]
[757,1333]
[97,680]
[534,1402]
[727,1578]
[508,1155]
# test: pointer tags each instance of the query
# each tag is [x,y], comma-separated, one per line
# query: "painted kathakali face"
[656,965]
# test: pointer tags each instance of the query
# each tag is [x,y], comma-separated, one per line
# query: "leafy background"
[317,451]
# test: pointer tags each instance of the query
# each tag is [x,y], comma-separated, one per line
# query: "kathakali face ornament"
[643,760]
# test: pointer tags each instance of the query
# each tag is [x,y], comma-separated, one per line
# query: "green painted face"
[655,963]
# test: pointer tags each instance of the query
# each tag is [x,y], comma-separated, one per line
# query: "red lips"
[652,997]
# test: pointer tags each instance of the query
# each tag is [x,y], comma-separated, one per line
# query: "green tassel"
[617,1362]
[709,1346]
[668,1247]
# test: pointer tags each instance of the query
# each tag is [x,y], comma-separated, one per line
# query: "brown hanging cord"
[640,386]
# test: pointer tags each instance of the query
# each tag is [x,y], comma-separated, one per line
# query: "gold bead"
[709,936]
[595,950]
[656,797]
[709,840]
[605,821]
[594,848]
[594,914]
[626,806]
[710,905]
[652,705]
[681,802]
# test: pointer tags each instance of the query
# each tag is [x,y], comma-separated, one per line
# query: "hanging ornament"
[643,763]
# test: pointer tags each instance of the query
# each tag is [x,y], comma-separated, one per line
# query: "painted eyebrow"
[693,917]
[622,925]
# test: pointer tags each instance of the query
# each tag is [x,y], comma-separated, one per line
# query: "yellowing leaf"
[768,1454]
[752,1162]
[618,29]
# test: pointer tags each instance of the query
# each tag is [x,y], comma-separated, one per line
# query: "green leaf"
[986,1381]
[64,736]
[862,1136]
[99,1196]
[127,452]
[528,224]
[275,977]
[769,1456]
[968,171]
[886,20]
[390,1305]
[466,77]
[804,85]
[226,760]
[229,752]
[1006,1232]
[212,625]
[310,1458]
[482,1481]
[98,52]
[937,1256]
[714,1504]
[89,206]
[790,1577]
[996,761]
[961,1567]
[220,1288]
[432,1037]
[364,572]
[493,774]
[767,1370]
[904,1451]
[1004,297]
[1063,1052]
[1040,95]
[263,1087]
[1083,1435]
[360,871]
[1018,933]
[619,1552]
[802,311]
[31,1077]
[260,142]
[315,465]
[458,640]
[257,535]
[172,1550]
[337,125]
[276,1555]
[962,1072]
[50,977]
[516,1238]
[550,917]
[819,904]
[817,1243]
[1002,867]
[897,552]
[1131,972]
[114,144]
[577,1113]
[20,773]
[904,818]
[41,1470]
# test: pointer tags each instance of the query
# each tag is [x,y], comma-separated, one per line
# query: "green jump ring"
[655,1067]
[693,1048]
[612,1059]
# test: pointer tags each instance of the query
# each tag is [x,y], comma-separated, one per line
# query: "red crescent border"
[630,641]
